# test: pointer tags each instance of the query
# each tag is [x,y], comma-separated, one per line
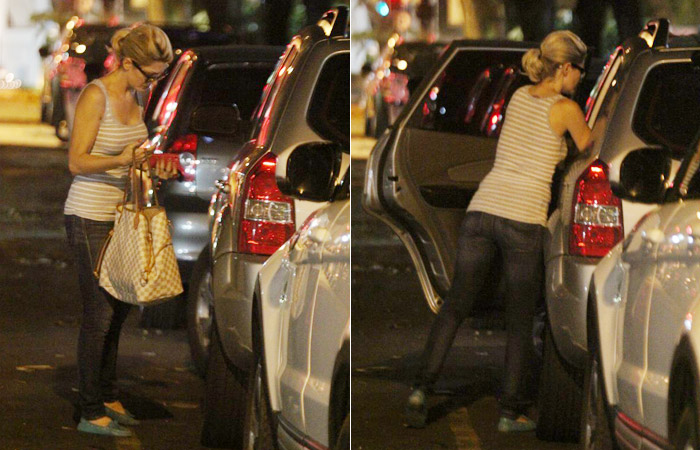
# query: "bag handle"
[137,183]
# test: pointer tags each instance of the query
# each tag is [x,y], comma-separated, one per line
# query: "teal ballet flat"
[113,429]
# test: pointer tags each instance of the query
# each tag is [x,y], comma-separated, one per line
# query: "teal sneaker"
[416,413]
[522,423]
[113,429]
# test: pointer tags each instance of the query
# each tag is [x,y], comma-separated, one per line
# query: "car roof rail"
[335,22]
[656,33]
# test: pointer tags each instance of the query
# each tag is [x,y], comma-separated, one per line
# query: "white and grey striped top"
[95,196]
[518,187]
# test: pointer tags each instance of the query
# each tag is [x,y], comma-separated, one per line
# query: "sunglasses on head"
[150,77]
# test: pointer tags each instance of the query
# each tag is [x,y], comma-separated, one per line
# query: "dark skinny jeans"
[103,316]
[481,237]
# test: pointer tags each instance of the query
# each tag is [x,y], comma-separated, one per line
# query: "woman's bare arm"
[566,115]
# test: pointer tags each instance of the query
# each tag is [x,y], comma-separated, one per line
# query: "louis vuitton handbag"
[137,262]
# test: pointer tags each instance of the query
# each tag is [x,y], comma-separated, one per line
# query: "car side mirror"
[216,119]
[313,172]
[44,51]
[644,176]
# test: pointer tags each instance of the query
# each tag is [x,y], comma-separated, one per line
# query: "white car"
[302,329]
[642,385]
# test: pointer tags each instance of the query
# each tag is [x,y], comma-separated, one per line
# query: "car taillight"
[186,148]
[267,216]
[596,224]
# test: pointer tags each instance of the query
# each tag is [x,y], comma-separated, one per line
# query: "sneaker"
[416,413]
[123,419]
[522,423]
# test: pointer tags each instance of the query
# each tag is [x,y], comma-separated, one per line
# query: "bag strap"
[101,255]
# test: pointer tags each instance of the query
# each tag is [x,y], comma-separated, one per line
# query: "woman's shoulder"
[564,105]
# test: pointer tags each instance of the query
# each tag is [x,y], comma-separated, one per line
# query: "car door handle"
[653,236]
[318,235]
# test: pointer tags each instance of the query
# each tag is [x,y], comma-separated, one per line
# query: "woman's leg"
[523,270]
[475,254]
[98,338]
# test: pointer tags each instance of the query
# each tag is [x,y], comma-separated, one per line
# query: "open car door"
[423,172]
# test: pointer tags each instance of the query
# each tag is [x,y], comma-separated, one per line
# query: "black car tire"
[224,400]
[596,432]
[259,429]
[343,441]
[686,435]
[200,312]
[559,397]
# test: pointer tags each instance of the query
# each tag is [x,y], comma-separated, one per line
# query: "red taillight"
[186,149]
[596,225]
[267,216]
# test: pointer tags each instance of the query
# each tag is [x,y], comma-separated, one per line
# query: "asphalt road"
[390,323]
[39,319]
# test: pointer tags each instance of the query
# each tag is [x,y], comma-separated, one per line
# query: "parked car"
[435,181]
[301,317]
[201,118]
[642,383]
[81,54]
[306,100]
[395,75]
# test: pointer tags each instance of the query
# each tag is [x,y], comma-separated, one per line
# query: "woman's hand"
[165,169]
[132,152]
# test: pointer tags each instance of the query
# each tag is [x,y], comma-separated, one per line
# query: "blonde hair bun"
[143,43]
[557,48]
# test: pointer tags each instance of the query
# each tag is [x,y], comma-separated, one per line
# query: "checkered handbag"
[137,262]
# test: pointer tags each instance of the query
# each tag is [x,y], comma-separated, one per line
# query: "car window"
[277,78]
[464,95]
[235,85]
[668,110]
[166,109]
[600,90]
[329,109]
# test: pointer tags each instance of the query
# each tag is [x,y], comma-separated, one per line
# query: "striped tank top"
[518,187]
[95,196]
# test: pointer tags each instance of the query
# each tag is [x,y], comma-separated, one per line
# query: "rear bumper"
[567,282]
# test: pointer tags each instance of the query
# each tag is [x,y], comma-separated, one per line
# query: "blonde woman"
[107,134]
[507,215]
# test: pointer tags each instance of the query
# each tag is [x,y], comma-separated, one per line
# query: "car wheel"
[224,400]
[200,304]
[687,430]
[343,441]
[559,397]
[595,422]
[259,430]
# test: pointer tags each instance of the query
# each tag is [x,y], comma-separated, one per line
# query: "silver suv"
[307,100]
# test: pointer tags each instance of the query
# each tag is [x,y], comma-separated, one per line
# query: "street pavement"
[390,323]
[40,312]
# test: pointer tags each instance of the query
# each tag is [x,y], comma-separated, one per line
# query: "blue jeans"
[481,237]
[103,316]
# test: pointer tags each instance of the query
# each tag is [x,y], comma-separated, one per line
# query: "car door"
[421,176]
[639,262]
[674,292]
[306,268]
[331,320]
